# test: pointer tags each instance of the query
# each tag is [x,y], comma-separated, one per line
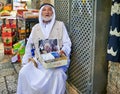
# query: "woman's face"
[47,13]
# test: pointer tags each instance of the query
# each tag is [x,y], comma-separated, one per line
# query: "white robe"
[39,80]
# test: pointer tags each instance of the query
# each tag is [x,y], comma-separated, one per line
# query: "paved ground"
[8,75]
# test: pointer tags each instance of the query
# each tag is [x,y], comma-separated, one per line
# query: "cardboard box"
[30,14]
[20,12]
[6,35]
[8,50]
[22,34]
[10,23]
[7,23]
[13,23]
[8,7]
[6,30]
[7,41]
[52,63]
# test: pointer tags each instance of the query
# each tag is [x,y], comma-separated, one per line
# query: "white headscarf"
[46,28]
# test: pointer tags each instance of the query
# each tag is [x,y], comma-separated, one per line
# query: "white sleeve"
[66,46]
[27,54]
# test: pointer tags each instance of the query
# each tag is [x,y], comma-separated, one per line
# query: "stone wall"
[44,1]
[36,3]
[113,86]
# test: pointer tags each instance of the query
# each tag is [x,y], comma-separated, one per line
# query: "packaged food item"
[19,47]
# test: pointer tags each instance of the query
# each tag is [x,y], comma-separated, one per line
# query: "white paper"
[47,56]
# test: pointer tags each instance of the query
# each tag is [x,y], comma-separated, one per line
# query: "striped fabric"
[113,50]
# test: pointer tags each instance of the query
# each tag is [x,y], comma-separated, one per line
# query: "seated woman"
[39,80]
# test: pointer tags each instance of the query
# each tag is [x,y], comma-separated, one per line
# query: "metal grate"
[62,11]
[81,32]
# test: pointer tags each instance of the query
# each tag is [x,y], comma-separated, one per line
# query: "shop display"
[31,14]
[8,35]
[4,13]
[19,5]
[12,30]
[23,13]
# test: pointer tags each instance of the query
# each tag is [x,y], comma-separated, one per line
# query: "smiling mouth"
[47,15]
[47,18]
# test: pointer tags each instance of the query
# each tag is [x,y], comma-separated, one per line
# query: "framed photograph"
[48,45]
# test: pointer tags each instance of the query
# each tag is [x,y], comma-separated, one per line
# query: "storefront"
[87,22]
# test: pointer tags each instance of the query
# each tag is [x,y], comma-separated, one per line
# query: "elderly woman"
[39,80]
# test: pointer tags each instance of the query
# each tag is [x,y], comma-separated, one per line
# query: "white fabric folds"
[39,80]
